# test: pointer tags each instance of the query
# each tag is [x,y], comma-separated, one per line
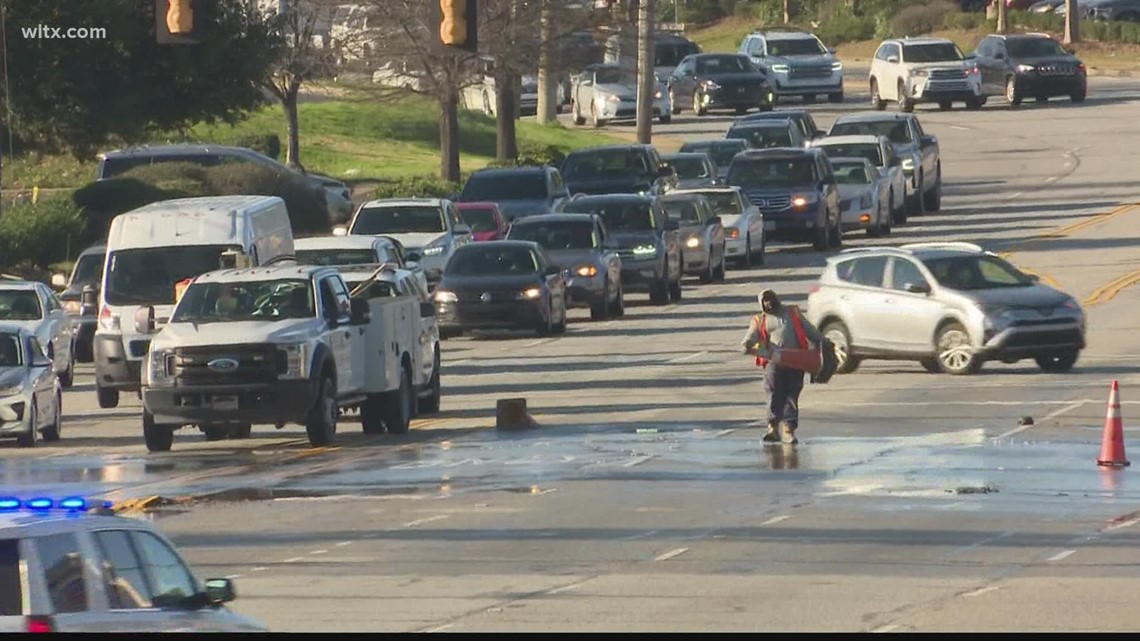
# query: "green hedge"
[41,233]
[532,155]
[417,186]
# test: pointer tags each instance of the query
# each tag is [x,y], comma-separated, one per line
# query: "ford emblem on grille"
[486,297]
[223,364]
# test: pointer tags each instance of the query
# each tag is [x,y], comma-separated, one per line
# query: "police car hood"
[239,333]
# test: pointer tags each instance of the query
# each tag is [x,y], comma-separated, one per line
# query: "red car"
[485,219]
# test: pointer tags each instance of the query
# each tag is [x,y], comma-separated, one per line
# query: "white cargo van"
[155,250]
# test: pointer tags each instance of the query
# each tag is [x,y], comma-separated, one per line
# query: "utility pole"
[1002,25]
[547,84]
[646,84]
[1072,22]
[507,98]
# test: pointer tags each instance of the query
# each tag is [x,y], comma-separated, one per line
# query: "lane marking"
[672,553]
[1015,195]
[980,591]
[643,535]
[1060,555]
[1051,179]
[233,576]
[538,342]
[1123,524]
[775,519]
[955,403]
[960,128]
[319,552]
[440,628]
[893,626]
[1095,219]
[690,357]
[419,522]
[343,543]
[258,568]
[637,461]
[294,559]
[1064,410]
[1108,292]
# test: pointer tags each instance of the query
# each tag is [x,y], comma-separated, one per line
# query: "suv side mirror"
[929,140]
[361,311]
[664,171]
[144,320]
[551,270]
[831,50]
[340,230]
[220,590]
[41,360]
[893,59]
[917,288]
[462,230]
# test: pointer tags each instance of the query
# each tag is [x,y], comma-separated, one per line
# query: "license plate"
[769,225]
[224,403]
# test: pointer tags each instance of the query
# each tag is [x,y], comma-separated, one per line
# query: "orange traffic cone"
[1112,443]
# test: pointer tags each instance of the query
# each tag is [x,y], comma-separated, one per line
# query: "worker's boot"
[788,434]
[772,435]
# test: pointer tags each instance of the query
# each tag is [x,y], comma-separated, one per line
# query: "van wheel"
[159,438]
[399,406]
[372,414]
[320,424]
[430,404]
[836,332]
[955,354]
[108,397]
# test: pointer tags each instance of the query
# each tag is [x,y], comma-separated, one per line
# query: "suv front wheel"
[906,105]
[876,100]
[953,350]
[845,362]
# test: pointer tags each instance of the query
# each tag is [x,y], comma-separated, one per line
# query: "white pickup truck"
[284,344]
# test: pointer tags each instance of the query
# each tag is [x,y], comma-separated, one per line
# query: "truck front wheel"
[159,438]
[430,404]
[398,407]
[320,424]
[372,414]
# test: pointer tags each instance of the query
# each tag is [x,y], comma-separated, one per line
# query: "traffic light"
[178,21]
[458,25]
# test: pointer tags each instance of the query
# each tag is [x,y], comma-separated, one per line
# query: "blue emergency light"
[45,504]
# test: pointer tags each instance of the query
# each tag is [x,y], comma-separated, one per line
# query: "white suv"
[430,229]
[70,566]
[913,70]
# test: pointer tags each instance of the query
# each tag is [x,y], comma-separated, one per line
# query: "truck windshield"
[776,173]
[603,164]
[88,269]
[795,47]
[147,276]
[337,256]
[896,131]
[398,220]
[271,300]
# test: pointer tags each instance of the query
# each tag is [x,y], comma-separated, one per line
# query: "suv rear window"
[773,172]
[867,271]
[507,186]
[11,590]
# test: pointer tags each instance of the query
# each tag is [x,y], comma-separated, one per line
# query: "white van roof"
[339,242]
[164,223]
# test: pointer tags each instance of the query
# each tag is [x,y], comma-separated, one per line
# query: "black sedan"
[501,284]
[578,244]
[707,81]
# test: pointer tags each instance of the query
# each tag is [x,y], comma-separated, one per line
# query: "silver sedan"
[35,307]
[30,394]
[864,195]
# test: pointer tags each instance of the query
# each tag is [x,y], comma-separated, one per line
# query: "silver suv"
[949,306]
[68,566]
[797,63]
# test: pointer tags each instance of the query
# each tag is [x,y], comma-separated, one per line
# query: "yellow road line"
[1107,292]
[1095,219]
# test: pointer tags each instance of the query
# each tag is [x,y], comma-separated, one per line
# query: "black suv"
[647,242]
[795,189]
[617,169]
[1029,65]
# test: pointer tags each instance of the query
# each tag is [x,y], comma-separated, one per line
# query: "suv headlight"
[444,296]
[293,361]
[693,241]
[644,251]
[585,271]
[780,68]
[919,73]
[530,293]
[908,164]
[1026,68]
[158,366]
[710,85]
[837,66]
[11,391]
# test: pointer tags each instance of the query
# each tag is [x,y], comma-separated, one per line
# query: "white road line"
[959,128]
[1014,195]
[643,535]
[566,588]
[775,519]
[343,543]
[1060,555]
[258,568]
[894,626]
[981,591]
[319,552]
[537,342]
[1052,179]
[724,432]
[440,628]
[233,576]
[429,519]
[1123,524]
[466,360]
[1064,410]
[690,357]
[957,403]
[671,553]
[294,559]
[637,461]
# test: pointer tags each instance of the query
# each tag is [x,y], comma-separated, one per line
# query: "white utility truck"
[152,251]
[278,345]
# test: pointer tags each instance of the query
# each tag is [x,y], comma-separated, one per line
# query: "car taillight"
[39,624]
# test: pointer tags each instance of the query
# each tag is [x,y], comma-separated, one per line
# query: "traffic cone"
[1112,443]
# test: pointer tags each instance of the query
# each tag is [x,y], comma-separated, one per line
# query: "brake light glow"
[39,624]
[734,233]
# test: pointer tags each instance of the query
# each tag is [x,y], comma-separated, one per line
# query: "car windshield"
[721,154]
[762,137]
[851,174]
[857,150]
[724,64]
[934,52]
[775,172]
[795,47]
[147,276]
[246,301]
[687,168]
[1033,48]
[337,256]
[10,350]
[724,203]
[482,219]
[474,260]
[19,305]
[415,219]
[975,272]
[624,216]
[896,131]
[553,236]
[604,163]
[684,211]
[670,54]
[505,186]
[607,76]
[88,269]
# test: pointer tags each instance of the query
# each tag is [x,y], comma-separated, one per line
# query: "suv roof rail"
[944,245]
[866,250]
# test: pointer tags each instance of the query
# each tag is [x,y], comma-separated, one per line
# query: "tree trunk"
[449,134]
[1072,22]
[548,98]
[787,11]
[1002,23]
[506,115]
[293,145]
[645,78]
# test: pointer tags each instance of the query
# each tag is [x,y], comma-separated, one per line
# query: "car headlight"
[293,361]
[644,251]
[837,66]
[11,391]
[444,296]
[710,85]
[800,201]
[780,68]
[586,271]
[158,366]
[732,233]
[434,250]
[657,95]
[692,242]
[908,164]
[1026,68]
[530,293]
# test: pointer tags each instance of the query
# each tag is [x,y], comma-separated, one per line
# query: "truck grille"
[815,71]
[255,364]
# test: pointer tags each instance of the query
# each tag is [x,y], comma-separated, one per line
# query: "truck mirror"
[88,300]
[427,309]
[361,311]
[144,320]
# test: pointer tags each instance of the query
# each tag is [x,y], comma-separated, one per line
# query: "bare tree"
[1072,22]
[1002,26]
[304,58]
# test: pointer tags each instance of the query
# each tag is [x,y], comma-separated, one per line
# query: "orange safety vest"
[797,326]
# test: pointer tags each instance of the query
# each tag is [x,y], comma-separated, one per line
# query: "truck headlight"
[158,367]
[693,242]
[780,68]
[293,361]
[908,164]
[434,250]
[1026,68]
[530,293]
[837,66]
[586,271]
[444,296]
[644,251]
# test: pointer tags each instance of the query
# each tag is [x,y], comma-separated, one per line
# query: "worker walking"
[780,326]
